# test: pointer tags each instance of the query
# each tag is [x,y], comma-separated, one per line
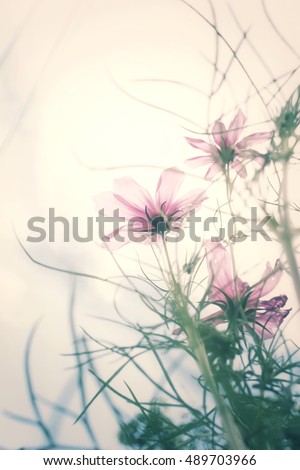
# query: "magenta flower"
[228,293]
[147,219]
[226,150]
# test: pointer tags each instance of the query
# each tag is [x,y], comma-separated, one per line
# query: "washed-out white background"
[73,115]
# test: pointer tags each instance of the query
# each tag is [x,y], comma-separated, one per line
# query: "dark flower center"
[160,224]
[226,153]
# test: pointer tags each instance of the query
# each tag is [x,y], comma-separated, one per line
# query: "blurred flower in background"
[227,149]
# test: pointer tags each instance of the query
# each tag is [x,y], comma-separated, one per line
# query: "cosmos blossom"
[227,150]
[147,219]
[265,316]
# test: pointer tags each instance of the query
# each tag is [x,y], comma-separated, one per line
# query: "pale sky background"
[72,73]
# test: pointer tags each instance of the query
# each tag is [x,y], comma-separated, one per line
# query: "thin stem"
[229,193]
[287,233]
[169,263]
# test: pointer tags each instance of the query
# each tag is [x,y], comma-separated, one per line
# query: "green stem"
[234,437]
[230,244]
[197,346]
[287,234]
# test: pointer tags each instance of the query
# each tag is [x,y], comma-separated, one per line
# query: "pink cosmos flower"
[147,219]
[264,315]
[226,150]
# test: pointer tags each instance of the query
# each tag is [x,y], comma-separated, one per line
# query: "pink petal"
[274,303]
[199,144]
[259,160]
[239,168]
[214,169]
[132,210]
[236,127]
[191,200]
[269,281]
[167,187]
[219,267]
[251,154]
[253,139]
[241,287]
[198,161]
[107,202]
[219,133]
[267,324]
[128,196]
[132,195]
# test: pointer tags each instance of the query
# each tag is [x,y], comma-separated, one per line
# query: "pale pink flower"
[265,316]
[227,150]
[147,219]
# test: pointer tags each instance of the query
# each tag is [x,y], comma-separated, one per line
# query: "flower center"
[160,224]
[226,153]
